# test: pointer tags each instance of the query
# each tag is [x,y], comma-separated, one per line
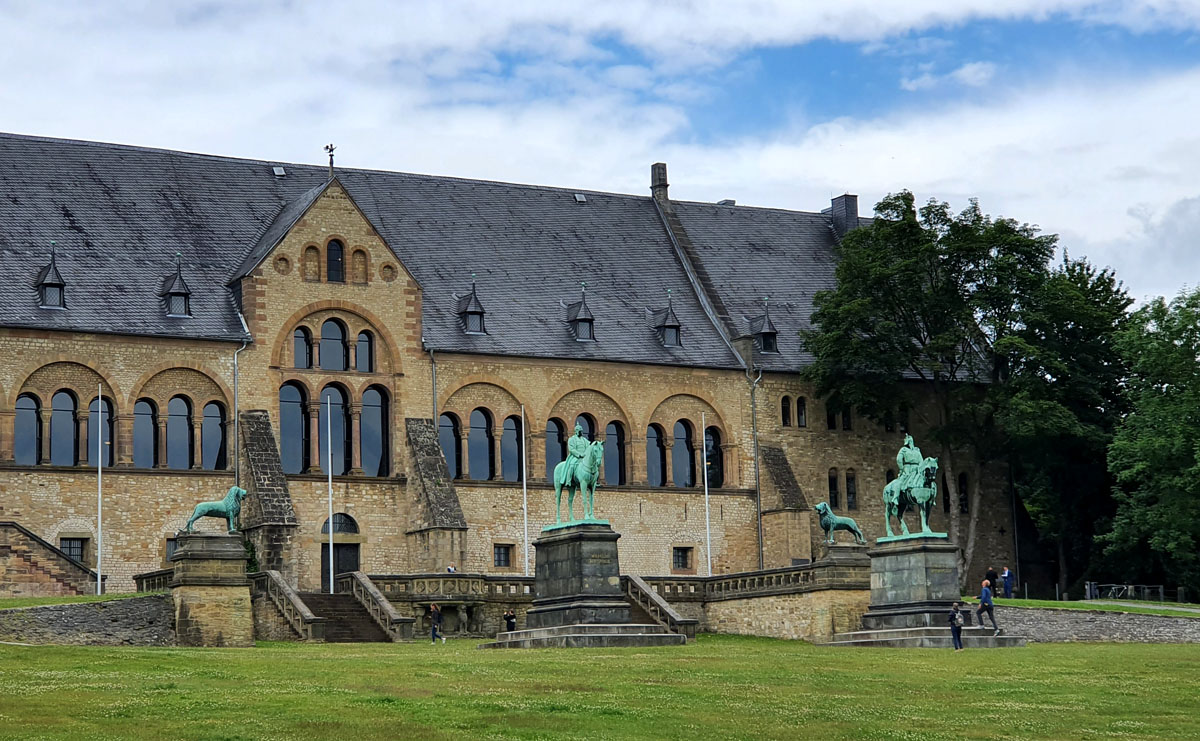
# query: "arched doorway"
[345,547]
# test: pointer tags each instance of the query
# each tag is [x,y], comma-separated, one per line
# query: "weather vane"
[330,149]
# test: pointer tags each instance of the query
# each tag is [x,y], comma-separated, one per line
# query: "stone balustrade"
[154,581]
[357,583]
[290,607]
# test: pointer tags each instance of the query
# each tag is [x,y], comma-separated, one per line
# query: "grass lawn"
[6,602]
[1149,608]
[718,687]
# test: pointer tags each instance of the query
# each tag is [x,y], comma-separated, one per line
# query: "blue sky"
[1076,115]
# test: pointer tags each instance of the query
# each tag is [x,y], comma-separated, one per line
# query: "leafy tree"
[1155,455]
[926,316]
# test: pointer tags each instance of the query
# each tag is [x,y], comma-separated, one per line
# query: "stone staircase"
[926,637]
[30,566]
[598,635]
[346,620]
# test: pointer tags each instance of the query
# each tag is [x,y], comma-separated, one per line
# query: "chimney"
[845,214]
[658,182]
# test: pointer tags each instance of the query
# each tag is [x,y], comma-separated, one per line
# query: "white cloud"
[974,74]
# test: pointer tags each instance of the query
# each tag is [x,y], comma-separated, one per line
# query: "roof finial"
[668,297]
[583,286]
[53,246]
[330,149]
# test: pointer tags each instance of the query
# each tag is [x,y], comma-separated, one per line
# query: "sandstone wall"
[1049,625]
[137,621]
[808,616]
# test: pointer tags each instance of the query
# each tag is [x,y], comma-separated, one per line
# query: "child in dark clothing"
[956,626]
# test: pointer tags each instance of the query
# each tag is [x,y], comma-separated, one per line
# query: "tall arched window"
[179,433]
[450,438]
[145,434]
[293,428]
[480,456]
[712,452]
[964,499]
[851,489]
[801,412]
[833,488]
[364,353]
[212,437]
[556,446]
[588,424]
[312,263]
[100,408]
[333,431]
[64,435]
[373,432]
[510,450]
[335,262]
[656,457]
[785,411]
[614,454]
[358,267]
[27,431]
[683,456]
[301,348]
[342,523]
[333,346]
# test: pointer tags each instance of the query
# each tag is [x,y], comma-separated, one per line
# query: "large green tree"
[1155,454]
[926,316]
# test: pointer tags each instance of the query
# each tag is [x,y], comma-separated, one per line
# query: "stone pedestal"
[211,591]
[913,583]
[577,578]
[850,554]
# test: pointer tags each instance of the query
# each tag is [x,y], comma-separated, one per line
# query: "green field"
[7,602]
[718,687]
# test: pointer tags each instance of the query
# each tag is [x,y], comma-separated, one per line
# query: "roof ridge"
[777,209]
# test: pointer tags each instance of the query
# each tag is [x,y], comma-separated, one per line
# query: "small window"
[584,332]
[335,263]
[475,323]
[502,556]
[830,417]
[833,488]
[301,348]
[52,297]
[851,490]
[671,336]
[769,342]
[801,412]
[342,523]
[785,411]
[846,418]
[364,353]
[73,547]
[681,559]
[177,305]
[172,544]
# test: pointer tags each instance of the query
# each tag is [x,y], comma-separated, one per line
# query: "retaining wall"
[137,621]
[1051,626]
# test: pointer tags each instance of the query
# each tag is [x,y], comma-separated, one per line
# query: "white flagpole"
[99,487]
[525,488]
[707,527]
[329,477]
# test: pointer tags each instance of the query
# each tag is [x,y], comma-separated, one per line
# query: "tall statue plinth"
[577,578]
[913,582]
[211,591]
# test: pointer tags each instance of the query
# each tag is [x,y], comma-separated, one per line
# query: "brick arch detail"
[719,422]
[600,423]
[200,368]
[26,372]
[497,416]
[382,335]
[484,379]
[598,388]
[310,390]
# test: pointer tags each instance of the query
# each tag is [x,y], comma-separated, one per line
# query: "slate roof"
[120,213]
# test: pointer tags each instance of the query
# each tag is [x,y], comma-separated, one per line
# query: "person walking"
[956,626]
[510,620]
[985,605]
[993,578]
[435,624]
[1006,578]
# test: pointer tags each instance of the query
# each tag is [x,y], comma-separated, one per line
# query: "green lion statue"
[831,523]
[229,508]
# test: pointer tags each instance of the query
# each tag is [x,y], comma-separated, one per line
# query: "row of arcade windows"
[785,411]
[158,442]
[335,264]
[851,489]
[330,425]
[333,349]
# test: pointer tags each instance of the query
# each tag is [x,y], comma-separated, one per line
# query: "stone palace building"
[195,320]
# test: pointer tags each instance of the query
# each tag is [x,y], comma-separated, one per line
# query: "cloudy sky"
[1080,116]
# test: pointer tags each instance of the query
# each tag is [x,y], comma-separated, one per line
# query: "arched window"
[293,428]
[179,433]
[27,431]
[450,438]
[480,455]
[785,410]
[510,450]
[145,434]
[830,416]
[851,489]
[373,432]
[833,488]
[614,454]
[712,452]
[964,499]
[801,412]
[100,410]
[358,267]
[588,424]
[656,456]
[64,435]
[364,353]
[301,348]
[556,446]
[212,437]
[683,467]
[312,264]
[335,262]
[333,431]
[333,346]
[342,523]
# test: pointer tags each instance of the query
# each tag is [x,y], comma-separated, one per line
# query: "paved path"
[1143,604]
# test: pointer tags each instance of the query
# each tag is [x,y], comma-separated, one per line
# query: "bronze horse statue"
[587,476]
[896,500]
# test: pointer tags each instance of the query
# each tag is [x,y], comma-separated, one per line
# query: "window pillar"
[729,459]
[355,440]
[197,437]
[44,425]
[635,460]
[123,440]
[464,450]
[161,422]
[81,436]
[314,439]
[497,439]
[537,454]
[7,422]
[668,464]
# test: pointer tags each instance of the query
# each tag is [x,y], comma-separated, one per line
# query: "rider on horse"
[577,446]
[908,461]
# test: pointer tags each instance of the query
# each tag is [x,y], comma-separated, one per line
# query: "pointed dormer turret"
[50,284]
[763,330]
[580,318]
[471,312]
[177,293]
[667,324]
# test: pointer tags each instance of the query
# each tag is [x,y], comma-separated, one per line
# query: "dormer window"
[764,332]
[177,293]
[177,305]
[471,312]
[580,319]
[769,342]
[51,288]
[671,336]
[666,324]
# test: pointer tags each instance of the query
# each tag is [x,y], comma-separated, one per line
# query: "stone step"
[918,632]
[590,629]
[589,640]
[926,638]
[346,620]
